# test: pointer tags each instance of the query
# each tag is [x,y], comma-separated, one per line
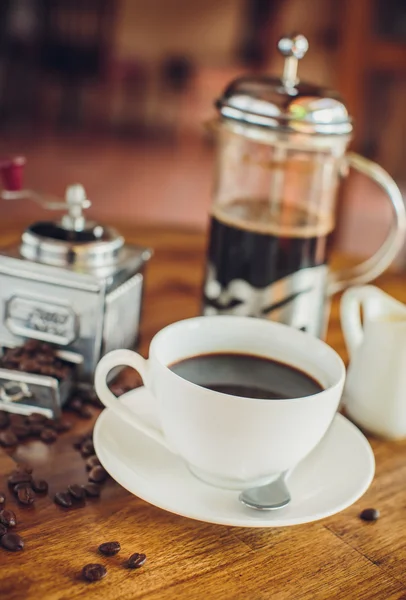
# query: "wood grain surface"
[340,557]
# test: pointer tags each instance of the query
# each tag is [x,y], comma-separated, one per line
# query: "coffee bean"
[94,572]
[36,418]
[49,436]
[3,530]
[14,352]
[36,429]
[89,397]
[76,491]
[98,475]
[62,425]
[85,393]
[28,365]
[87,448]
[110,548]
[79,441]
[119,389]
[18,477]
[8,438]
[11,364]
[2,499]
[4,419]
[17,420]
[25,495]
[92,490]
[8,518]
[97,403]
[63,499]
[91,462]
[21,486]
[136,561]
[49,423]
[47,370]
[85,413]
[21,431]
[75,405]
[7,361]
[370,514]
[45,347]
[40,486]
[44,358]
[63,372]
[12,541]
[32,345]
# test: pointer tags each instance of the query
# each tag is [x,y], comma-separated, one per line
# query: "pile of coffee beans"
[35,357]
[97,571]
[15,429]
[24,486]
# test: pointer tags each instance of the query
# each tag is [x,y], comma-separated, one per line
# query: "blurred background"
[114,94]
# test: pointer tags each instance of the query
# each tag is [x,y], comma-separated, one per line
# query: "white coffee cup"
[231,441]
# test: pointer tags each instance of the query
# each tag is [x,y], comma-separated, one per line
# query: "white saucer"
[330,479]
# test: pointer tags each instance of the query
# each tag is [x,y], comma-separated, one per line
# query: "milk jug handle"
[352,302]
[375,265]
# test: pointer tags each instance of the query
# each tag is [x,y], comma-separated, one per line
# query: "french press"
[281,152]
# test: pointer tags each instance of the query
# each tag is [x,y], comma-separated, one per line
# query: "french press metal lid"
[286,103]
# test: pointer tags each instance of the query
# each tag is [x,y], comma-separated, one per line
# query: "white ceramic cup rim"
[157,339]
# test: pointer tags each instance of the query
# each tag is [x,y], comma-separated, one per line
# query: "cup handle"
[375,265]
[118,358]
[350,313]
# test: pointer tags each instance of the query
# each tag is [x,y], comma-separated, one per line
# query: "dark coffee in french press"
[249,256]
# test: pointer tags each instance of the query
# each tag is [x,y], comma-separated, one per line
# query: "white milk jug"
[375,390]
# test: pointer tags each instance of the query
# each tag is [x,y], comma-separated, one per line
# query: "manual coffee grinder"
[70,282]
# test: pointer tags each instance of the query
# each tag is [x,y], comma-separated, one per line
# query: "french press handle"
[375,265]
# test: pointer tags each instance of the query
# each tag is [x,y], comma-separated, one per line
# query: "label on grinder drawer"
[41,320]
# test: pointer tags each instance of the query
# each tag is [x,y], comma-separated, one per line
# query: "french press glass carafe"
[281,151]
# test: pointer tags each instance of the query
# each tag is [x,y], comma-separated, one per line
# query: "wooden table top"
[339,557]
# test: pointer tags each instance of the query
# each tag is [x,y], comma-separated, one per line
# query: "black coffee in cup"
[246,375]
